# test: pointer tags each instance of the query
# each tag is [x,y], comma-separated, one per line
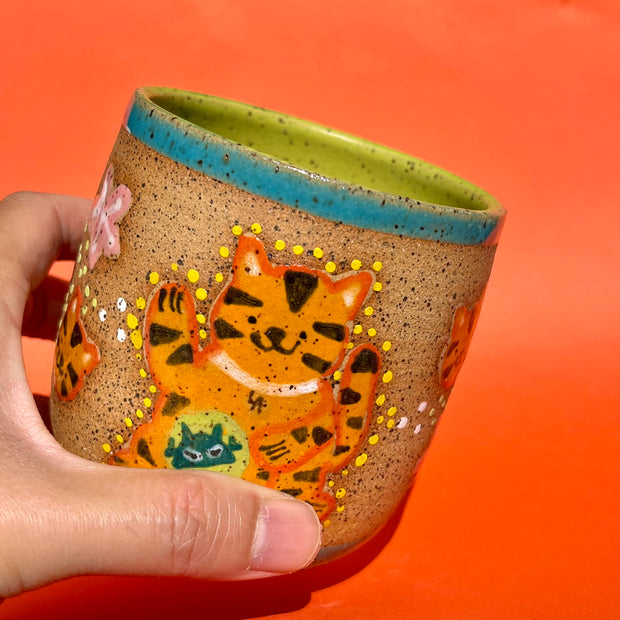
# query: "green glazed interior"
[324,151]
[308,167]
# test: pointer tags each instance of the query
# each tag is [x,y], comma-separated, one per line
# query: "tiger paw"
[355,400]
[286,449]
[171,332]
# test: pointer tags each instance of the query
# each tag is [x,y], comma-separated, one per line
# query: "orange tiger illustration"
[76,355]
[256,402]
[463,326]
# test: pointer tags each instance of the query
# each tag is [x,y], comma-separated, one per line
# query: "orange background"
[516,509]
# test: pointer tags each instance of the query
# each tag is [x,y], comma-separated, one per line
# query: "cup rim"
[220,157]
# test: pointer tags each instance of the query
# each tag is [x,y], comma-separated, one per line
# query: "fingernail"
[287,538]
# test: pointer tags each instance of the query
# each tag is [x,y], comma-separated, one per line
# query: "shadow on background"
[149,597]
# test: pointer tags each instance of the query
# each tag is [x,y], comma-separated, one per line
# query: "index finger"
[35,229]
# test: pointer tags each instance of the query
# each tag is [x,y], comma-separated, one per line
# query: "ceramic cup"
[265,297]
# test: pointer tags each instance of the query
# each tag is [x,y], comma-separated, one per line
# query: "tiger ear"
[354,290]
[250,258]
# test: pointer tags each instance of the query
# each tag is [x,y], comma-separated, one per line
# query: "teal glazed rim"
[324,172]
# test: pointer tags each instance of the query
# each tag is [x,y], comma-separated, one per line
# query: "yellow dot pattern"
[361,459]
[380,400]
[132,321]
[377,286]
[140,303]
[224,252]
[120,439]
[193,276]
[87,291]
[219,277]
[298,249]
[174,266]
[143,373]
[356,264]
[256,228]
[330,267]
[380,419]
[317,252]
[388,376]
[372,332]
[337,375]
[107,447]
[152,389]
[369,311]
[387,345]
[330,484]
[136,339]
[279,244]
[201,318]
[202,333]
[340,508]
[128,422]
[390,423]
[153,277]
[139,414]
[147,402]
[358,329]
[373,439]
[201,294]
[237,230]
[340,493]
[377,265]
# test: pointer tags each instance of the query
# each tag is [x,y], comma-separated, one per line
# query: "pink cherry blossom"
[108,210]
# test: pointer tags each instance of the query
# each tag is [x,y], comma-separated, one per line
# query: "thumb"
[109,520]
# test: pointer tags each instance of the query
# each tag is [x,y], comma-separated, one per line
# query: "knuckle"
[199,533]
[16,198]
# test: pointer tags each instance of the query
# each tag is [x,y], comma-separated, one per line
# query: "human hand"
[61,515]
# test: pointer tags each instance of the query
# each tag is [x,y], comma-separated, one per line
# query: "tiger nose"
[275,335]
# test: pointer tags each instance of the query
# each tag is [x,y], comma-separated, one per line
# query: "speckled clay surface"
[175,224]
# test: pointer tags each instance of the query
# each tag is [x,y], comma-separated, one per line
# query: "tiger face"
[285,324]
